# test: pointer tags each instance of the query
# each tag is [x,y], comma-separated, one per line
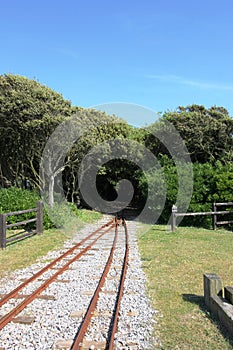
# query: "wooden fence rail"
[4,226]
[214,214]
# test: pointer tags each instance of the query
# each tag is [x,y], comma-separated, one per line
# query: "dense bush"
[211,183]
[15,199]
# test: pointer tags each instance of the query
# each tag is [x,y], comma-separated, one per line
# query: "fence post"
[212,287]
[173,222]
[214,216]
[3,231]
[39,214]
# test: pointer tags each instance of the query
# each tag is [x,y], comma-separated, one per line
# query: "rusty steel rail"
[87,318]
[120,291]
[78,341]
[15,311]
[14,292]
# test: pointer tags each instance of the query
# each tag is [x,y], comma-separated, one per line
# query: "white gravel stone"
[52,317]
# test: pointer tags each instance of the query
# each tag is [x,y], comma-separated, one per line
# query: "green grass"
[20,254]
[174,264]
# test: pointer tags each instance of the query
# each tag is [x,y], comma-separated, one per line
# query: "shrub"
[211,183]
[15,199]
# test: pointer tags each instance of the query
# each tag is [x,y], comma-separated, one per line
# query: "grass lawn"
[174,264]
[23,253]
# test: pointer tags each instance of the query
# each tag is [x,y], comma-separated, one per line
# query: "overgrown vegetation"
[30,112]
[15,199]
[61,216]
[174,265]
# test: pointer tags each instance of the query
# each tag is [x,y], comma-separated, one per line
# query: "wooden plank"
[228,292]
[77,313]
[205,213]
[92,344]
[23,296]
[61,281]
[86,345]
[24,319]
[63,344]
[228,203]
[224,222]
[21,212]
[21,223]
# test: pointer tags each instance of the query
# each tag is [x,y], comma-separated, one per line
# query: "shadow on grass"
[199,300]
[19,236]
[159,228]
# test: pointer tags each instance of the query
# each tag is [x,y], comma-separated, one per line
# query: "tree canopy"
[208,133]
[30,112]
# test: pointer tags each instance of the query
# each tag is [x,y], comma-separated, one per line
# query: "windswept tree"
[29,112]
[208,133]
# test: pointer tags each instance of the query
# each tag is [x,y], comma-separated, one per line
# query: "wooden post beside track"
[214,216]
[3,231]
[173,219]
[39,215]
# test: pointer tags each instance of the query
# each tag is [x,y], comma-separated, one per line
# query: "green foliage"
[29,112]
[61,214]
[207,132]
[211,183]
[101,137]
[164,182]
[24,99]
[223,177]
[69,217]
[15,199]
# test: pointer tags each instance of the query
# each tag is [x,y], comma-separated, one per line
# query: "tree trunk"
[51,189]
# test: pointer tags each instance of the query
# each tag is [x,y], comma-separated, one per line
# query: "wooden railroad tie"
[86,345]
[23,296]
[24,319]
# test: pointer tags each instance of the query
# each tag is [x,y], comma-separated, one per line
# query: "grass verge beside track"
[26,252]
[174,264]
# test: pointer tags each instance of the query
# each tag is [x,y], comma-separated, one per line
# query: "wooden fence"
[219,300]
[4,226]
[215,212]
[215,209]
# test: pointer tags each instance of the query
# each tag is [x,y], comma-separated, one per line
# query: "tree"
[208,133]
[29,112]
[96,142]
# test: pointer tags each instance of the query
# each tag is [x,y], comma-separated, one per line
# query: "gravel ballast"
[56,321]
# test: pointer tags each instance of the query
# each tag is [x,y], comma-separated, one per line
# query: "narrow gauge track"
[15,311]
[83,329]
[110,345]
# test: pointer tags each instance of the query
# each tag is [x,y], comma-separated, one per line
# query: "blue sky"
[155,53]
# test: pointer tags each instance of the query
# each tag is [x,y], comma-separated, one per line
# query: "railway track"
[115,233]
